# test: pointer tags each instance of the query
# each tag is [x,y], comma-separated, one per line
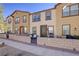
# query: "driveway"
[37,50]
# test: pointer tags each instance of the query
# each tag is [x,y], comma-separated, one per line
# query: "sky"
[8,8]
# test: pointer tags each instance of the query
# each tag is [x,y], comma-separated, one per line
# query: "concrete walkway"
[37,50]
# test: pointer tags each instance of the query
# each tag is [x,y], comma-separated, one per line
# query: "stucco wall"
[20,15]
[52,42]
[2,36]
[44,22]
[72,20]
[60,43]
[24,39]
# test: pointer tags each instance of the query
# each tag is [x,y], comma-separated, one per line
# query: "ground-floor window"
[50,31]
[25,29]
[34,30]
[16,30]
[66,29]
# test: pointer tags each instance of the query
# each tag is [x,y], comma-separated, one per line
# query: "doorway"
[43,30]
[21,30]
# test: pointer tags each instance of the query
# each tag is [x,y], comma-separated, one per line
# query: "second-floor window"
[71,10]
[36,17]
[17,20]
[24,19]
[66,11]
[74,9]
[9,21]
[48,15]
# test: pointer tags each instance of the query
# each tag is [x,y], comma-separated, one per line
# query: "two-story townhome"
[61,20]
[43,23]
[67,16]
[21,21]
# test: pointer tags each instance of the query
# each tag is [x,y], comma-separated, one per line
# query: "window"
[66,29]
[34,30]
[16,30]
[74,9]
[24,19]
[17,20]
[71,10]
[50,31]
[9,21]
[66,11]
[36,17]
[25,30]
[48,15]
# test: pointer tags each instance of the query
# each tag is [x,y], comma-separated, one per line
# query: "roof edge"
[47,9]
[35,12]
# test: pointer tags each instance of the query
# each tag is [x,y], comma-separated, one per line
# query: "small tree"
[3,26]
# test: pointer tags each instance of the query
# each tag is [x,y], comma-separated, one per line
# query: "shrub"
[72,37]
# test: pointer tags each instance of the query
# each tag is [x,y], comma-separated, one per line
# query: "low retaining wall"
[71,44]
[2,36]
[24,39]
[60,43]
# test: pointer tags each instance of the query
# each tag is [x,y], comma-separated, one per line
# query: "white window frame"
[66,27]
[66,10]
[17,20]
[48,14]
[24,19]
[73,8]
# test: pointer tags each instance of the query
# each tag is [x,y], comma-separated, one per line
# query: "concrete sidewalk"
[36,49]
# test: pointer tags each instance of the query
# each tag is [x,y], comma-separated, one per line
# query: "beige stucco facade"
[73,21]
[57,21]
[43,21]
[20,23]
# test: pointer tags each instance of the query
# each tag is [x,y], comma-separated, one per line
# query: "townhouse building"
[67,16]
[43,23]
[20,21]
[61,20]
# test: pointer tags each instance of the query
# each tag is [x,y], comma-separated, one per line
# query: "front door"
[21,30]
[43,30]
